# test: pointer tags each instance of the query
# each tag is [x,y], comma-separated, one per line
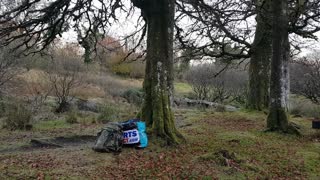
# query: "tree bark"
[158,82]
[279,84]
[259,69]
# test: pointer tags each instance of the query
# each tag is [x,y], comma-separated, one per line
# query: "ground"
[220,145]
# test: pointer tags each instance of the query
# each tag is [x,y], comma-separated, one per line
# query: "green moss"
[239,137]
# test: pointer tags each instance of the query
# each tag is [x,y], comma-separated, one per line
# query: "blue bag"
[130,138]
[142,133]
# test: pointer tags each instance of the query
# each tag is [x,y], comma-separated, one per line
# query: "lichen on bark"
[277,119]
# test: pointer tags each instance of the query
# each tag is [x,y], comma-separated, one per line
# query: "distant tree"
[208,83]
[305,77]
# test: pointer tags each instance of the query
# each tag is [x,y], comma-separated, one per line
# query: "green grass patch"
[311,159]
[182,89]
[53,124]
[237,137]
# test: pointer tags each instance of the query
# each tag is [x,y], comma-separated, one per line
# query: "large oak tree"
[279,83]
[158,82]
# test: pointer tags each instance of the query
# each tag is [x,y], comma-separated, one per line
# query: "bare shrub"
[72,118]
[65,75]
[208,83]
[37,88]
[134,96]
[18,117]
[108,113]
[111,85]
[200,80]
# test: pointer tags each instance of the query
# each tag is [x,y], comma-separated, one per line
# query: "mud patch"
[50,143]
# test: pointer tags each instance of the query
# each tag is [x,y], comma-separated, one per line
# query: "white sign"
[131,136]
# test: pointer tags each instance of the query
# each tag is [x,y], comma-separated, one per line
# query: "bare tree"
[64,75]
[305,77]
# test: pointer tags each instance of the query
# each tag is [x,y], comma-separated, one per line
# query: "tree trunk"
[279,89]
[158,82]
[259,69]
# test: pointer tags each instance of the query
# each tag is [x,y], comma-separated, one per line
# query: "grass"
[53,124]
[182,89]
[220,145]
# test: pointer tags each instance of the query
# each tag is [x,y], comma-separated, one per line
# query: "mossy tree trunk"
[259,69]
[279,83]
[158,82]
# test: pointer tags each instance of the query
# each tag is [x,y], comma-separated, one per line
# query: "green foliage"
[52,124]
[133,96]
[121,69]
[18,117]
[108,113]
[72,118]
[182,89]
[132,69]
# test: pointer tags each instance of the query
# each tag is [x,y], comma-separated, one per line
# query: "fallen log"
[186,102]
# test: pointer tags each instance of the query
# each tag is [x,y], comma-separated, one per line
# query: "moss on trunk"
[158,82]
[259,69]
[277,119]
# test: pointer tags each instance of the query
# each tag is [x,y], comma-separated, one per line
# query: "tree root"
[292,128]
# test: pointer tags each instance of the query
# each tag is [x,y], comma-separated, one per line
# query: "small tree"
[64,74]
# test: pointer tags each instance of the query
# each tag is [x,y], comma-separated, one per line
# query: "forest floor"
[220,145]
